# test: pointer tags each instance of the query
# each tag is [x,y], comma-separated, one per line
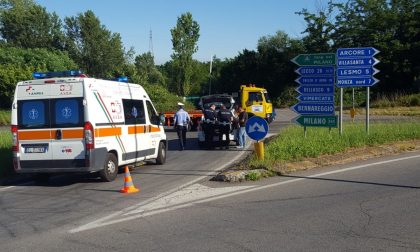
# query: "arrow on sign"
[316,98]
[357,62]
[307,108]
[317,121]
[317,80]
[356,71]
[315,70]
[356,52]
[356,82]
[320,90]
[316,59]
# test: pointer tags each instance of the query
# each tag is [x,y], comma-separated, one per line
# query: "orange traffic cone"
[128,183]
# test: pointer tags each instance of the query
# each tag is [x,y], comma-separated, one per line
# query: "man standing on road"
[243,117]
[181,120]
[208,124]
[225,118]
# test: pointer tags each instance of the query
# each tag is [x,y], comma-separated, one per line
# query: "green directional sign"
[317,121]
[315,59]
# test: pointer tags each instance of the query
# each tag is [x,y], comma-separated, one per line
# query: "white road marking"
[195,194]
[7,187]
[10,187]
[184,197]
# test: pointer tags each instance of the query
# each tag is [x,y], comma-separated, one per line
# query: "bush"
[5,117]
[253,176]
[163,99]
[18,64]
[5,153]
[396,100]
[415,100]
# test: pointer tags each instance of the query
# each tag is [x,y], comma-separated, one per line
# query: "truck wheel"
[161,158]
[110,171]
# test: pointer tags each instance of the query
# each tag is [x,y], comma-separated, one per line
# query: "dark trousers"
[182,136]
[224,130]
[208,134]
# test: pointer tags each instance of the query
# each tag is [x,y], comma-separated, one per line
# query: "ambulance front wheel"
[109,173]
[161,158]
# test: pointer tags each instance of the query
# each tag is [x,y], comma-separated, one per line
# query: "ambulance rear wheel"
[161,158]
[110,171]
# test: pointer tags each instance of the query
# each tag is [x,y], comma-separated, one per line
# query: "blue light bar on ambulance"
[121,79]
[69,73]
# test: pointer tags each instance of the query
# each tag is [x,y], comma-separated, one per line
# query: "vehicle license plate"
[36,149]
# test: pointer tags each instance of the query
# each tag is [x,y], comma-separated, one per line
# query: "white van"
[67,122]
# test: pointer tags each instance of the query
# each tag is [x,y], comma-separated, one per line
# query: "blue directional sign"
[355,67]
[256,128]
[357,52]
[316,98]
[309,108]
[315,70]
[356,71]
[357,82]
[316,90]
[356,62]
[315,80]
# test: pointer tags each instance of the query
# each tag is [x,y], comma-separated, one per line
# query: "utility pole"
[150,42]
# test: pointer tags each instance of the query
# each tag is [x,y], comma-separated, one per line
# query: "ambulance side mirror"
[157,119]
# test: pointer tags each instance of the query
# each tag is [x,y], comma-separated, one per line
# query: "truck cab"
[255,101]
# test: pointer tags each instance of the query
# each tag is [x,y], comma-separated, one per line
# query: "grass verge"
[5,117]
[5,153]
[292,147]
[390,111]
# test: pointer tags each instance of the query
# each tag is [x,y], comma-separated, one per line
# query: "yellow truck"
[255,101]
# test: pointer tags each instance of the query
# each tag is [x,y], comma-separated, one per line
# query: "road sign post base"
[259,149]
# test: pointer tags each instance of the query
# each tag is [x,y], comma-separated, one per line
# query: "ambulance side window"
[134,112]
[153,116]
[33,114]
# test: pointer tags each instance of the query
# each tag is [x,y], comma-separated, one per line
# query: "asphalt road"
[179,209]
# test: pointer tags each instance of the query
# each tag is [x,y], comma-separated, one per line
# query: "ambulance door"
[67,121]
[154,130]
[136,139]
[34,133]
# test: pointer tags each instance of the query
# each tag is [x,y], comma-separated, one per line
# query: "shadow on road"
[192,145]
[353,181]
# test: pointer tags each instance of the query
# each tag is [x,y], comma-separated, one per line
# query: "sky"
[227,27]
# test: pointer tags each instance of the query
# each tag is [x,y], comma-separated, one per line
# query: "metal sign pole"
[367,109]
[341,111]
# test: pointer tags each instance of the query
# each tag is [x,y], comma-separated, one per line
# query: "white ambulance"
[67,122]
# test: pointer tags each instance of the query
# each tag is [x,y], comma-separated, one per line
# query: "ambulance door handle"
[58,134]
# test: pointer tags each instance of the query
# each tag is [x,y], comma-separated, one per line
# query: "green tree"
[390,26]
[97,50]
[318,29]
[147,70]
[17,64]
[184,41]
[10,75]
[23,23]
[276,71]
